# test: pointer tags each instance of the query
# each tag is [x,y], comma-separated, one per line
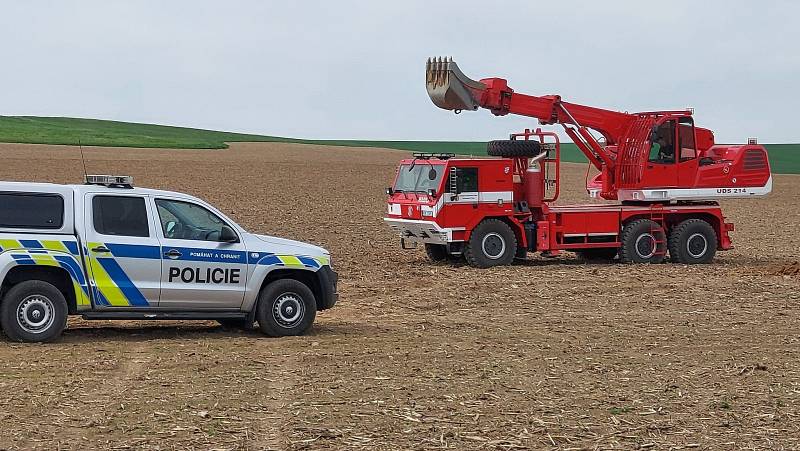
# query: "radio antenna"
[83,161]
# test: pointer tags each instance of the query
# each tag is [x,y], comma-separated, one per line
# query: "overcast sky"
[355,69]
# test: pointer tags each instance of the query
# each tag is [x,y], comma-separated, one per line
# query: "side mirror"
[389,191]
[170,229]
[431,192]
[227,235]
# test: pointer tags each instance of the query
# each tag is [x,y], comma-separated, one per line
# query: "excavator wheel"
[513,148]
[692,241]
[643,241]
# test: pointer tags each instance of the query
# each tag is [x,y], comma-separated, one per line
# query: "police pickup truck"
[107,250]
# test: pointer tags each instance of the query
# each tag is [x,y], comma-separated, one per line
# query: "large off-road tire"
[286,307]
[692,241]
[33,311]
[513,148]
[436,252]
[600,254]
[492,243]
[643,241]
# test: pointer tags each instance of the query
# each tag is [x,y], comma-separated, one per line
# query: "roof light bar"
[125,181]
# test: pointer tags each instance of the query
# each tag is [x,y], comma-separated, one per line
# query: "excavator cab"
[672,156]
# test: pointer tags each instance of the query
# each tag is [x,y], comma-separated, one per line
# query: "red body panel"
[557,227]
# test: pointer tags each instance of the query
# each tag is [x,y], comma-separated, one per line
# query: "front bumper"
[414,230]
[328,279]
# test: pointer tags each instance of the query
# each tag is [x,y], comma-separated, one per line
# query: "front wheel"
[492,243]
[286,307]
[692,241]
[33,311]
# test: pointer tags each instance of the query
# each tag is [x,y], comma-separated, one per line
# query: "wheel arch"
[715,221]
[516,226]
[305,276]
[56,276]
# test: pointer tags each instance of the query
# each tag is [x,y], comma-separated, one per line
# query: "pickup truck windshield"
[419,177]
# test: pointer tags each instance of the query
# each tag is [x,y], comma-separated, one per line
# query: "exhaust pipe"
[449,88]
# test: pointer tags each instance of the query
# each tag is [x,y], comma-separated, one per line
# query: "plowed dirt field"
[546,354]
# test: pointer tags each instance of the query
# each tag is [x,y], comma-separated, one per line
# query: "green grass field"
[784,158]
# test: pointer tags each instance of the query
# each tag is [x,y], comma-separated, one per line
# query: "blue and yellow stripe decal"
[62,254]
[291,261]
[112,287]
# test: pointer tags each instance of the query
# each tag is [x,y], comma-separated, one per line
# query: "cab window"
[466,180]
[686,138]
[662,143]
[120,216]
[187,221]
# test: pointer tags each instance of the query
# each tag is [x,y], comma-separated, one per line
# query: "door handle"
[101,248]
[172,253]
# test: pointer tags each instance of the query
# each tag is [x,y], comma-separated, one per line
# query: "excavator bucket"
[449,88]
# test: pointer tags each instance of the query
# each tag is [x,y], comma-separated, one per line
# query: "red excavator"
[666,173]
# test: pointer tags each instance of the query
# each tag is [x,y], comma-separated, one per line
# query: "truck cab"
[107,250]
[438,199]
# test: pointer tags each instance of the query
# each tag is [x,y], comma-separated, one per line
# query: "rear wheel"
[33,311]
[597,254]
[436,252]
[692,241]
[286,307]
[643,241]
[492,243]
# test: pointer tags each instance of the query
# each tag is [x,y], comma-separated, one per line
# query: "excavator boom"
[450,89]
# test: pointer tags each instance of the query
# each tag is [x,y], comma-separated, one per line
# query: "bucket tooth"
[449,88]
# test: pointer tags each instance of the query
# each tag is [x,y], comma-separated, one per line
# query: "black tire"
[513,148]
[436,252]
[492,243]
[643,241]
[233,323]
[693,241]
[600,254]
[33,311]
[286,307]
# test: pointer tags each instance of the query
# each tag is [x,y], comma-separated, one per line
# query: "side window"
[187,221]
[686,137]
[120,215]
[467,180]
[31,210]
[662,144]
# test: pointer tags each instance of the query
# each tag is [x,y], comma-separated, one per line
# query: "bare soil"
[546,354]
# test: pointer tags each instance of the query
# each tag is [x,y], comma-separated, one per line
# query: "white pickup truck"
[107,250]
